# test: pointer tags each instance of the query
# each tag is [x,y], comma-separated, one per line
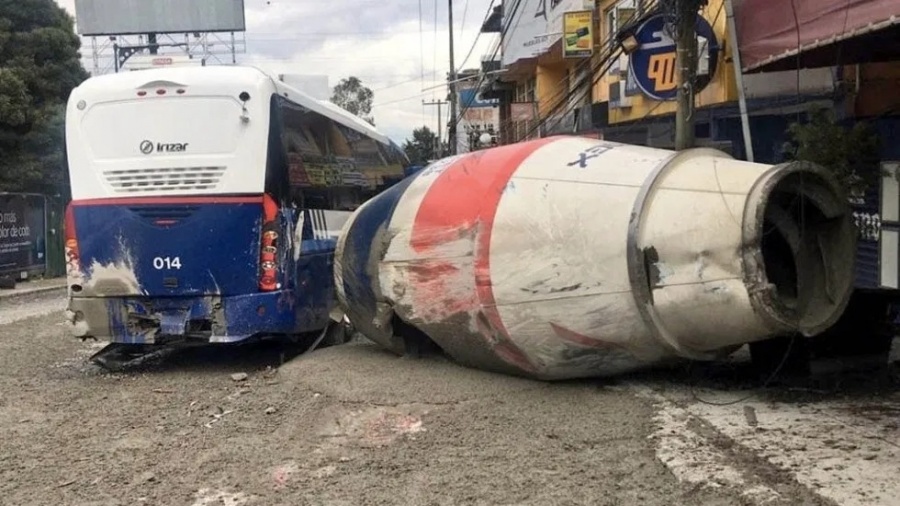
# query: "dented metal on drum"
[571,257]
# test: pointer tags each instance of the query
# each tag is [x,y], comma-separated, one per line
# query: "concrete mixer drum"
[569,257]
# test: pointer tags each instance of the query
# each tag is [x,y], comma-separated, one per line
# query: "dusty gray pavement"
[353,425]
[13,309]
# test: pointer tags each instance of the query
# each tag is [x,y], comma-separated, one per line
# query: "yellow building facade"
[624,90]
[633,91]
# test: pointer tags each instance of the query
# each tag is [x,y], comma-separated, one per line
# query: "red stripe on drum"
[462,202]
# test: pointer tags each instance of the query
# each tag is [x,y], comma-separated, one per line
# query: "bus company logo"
[653,63]
[148,147]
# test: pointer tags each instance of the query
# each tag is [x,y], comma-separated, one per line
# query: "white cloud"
[377,41]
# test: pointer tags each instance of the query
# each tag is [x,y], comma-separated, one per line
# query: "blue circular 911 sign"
[653,62]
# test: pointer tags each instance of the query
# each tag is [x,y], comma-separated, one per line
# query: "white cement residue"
[115,278]
[112,279]
[845,450]
[836,448]
[210,497]
[12,311]
[79,360]
[689,456]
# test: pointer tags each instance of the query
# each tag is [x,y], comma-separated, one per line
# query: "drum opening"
[807,250]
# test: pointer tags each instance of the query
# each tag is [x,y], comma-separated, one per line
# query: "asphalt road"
[353,425]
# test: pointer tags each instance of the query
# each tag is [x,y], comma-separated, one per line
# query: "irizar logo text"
[148,147]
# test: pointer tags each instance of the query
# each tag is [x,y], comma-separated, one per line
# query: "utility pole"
[451,129]
[739,78]
[686,12]
[437,149]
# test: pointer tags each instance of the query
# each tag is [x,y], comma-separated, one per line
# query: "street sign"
[653,62]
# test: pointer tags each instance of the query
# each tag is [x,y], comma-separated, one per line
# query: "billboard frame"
[96,18]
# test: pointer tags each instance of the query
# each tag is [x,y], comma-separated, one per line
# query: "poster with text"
[578,34]
[22,233]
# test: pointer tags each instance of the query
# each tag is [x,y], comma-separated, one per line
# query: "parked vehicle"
[206,206]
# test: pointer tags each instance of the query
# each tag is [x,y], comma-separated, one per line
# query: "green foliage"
[352,96]
[421,147]
[39,66]
[852,154]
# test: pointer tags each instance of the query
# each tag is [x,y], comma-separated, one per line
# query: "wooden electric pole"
[451,128]
[686,12]
[438,151]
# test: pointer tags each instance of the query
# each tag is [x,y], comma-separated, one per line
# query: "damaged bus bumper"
[202,319]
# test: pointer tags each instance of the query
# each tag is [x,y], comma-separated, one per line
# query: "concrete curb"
[15,294]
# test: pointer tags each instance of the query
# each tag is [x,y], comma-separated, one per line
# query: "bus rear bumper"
[210,319]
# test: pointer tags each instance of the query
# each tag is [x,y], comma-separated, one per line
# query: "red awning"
[831,32]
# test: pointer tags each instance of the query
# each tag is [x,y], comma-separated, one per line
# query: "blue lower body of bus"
[201,319]
[154,270]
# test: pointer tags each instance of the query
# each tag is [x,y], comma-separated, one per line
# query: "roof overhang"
[777,35]
[494,21]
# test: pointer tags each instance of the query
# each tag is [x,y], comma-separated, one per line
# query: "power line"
[305,59]
[434,43]
[394,85]
[504,32]
[477,34]
[606,62]
[421,56]
[459,114]
[434,55]
[404,99]
[462,24]
[604,65]
[278,37]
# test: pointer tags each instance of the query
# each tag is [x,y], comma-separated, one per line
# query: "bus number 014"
[160,263]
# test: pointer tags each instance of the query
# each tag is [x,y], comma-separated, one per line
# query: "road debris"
[217,417]
[750,415]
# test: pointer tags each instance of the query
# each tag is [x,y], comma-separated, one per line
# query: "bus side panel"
[314,284]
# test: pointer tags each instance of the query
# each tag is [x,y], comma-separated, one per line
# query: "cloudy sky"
[376,40]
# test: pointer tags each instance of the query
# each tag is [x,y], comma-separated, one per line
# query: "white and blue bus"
[206,202]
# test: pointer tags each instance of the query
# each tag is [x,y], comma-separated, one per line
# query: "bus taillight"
[268,255]
[73,256]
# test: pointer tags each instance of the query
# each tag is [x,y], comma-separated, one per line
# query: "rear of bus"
[171,234]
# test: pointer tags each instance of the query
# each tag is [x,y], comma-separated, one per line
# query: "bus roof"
[235,75]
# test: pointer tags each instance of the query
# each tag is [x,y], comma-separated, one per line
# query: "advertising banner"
[469,99]
[23,245]
[534,26]
[578,34]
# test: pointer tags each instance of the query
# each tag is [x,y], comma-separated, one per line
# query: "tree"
[39,67]
[851,154]
[421,147]
[352,96]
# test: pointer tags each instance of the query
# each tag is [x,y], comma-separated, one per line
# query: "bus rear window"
[157,127]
